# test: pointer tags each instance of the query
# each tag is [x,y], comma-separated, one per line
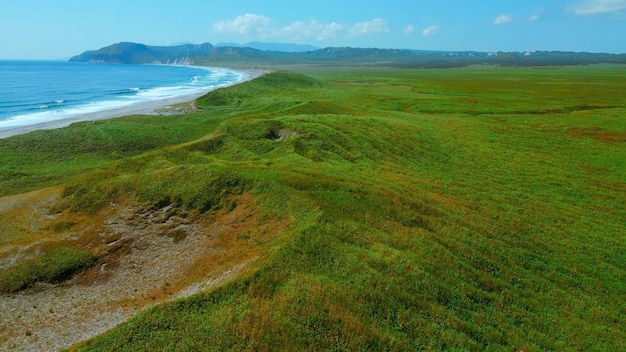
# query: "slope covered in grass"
[53,266]
[51,157]
[479,208]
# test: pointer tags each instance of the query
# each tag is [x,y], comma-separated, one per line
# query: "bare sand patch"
[142,263]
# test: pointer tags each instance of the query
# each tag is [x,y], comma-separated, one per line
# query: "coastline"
[143,108]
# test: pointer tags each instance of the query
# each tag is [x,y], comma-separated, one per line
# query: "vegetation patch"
[62,226]
[177,235]
[278,82]
[53,266]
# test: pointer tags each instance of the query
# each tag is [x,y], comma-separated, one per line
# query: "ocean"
[33,92]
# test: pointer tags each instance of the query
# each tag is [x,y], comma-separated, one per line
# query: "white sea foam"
[57,114]
[216,78]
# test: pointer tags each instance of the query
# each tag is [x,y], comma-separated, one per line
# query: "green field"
[480,208]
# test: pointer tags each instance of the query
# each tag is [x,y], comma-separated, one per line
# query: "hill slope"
[134,53]
[388,209]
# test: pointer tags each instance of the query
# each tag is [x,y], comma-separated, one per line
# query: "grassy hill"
[470,209]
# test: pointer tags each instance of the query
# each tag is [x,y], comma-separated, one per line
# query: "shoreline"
[143,108]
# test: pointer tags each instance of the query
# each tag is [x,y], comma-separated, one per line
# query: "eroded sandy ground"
[144,260]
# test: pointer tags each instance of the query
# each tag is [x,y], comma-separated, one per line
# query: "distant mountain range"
[293,54]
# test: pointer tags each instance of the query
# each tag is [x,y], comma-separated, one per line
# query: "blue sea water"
[33,92]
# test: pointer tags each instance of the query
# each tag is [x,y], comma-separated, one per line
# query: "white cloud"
[313,29]
[330,31]
[432,30]
[371,27]
[535,17]
[594,7]
[502,19]
[409,29]
[244,24]
[261,26]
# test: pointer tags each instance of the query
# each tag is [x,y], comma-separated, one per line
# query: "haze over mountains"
[283,47]
[271,54]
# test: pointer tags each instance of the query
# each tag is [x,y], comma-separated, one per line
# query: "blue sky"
[55,29]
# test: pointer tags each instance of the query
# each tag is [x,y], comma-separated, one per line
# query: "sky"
[59,29]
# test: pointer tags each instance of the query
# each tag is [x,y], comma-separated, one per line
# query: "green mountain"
[134,53]
[207,54]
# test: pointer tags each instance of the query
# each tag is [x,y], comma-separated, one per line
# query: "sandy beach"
[144,108]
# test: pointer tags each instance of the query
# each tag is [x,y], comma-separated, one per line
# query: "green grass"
[53,157]
[464,209]
[53,266]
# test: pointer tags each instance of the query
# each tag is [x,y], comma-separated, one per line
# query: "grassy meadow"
[479,208]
